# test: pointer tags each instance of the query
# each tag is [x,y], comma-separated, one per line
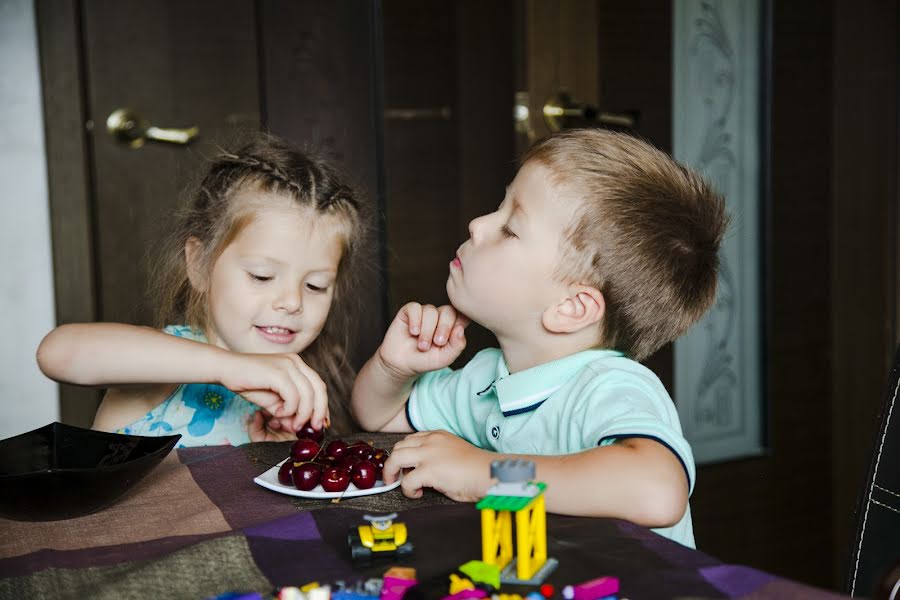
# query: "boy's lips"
[456,263]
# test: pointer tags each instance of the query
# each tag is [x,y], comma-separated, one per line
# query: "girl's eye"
[507,232]
[260,278]
[315,288]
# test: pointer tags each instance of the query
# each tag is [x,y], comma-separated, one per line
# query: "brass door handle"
[131,129]
[560,112]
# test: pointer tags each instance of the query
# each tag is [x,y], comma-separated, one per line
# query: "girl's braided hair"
[271,165]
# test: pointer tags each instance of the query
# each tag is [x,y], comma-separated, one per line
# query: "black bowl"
[61,471]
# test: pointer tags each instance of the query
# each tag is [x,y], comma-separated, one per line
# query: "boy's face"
[271,288]
[503,275]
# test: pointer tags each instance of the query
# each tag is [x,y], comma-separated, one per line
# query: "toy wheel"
[359,554]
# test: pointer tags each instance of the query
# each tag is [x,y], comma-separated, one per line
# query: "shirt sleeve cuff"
[622,436]
[409,417]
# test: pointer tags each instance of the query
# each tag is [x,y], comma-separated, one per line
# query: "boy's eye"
[507,232]
[260,278]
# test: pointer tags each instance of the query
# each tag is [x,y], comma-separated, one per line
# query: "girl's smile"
[276,335]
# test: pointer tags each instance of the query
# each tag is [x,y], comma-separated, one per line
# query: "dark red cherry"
[284,472]
[325,461]
[362,474]
[304,450]
[336,448]
[347,461]
[308,433]
[335,479]
[379,456]
[362,450]
[306,476]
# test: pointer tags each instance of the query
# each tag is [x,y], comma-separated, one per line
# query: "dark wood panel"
[863,252]
[178,64]
[322,86]
[442,171]
[59,41]
[486,131]
[422,162]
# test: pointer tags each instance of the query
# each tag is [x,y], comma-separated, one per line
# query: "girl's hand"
[263,427]
[442,461]
[423,338]
[282,384]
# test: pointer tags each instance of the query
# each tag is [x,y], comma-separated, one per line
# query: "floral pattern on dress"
[209,402]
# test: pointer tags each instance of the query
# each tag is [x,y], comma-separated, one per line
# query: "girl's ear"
[193,250]
[585,306]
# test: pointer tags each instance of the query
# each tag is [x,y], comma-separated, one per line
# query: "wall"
[27,398]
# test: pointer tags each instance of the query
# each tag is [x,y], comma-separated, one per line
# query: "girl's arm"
[115,355]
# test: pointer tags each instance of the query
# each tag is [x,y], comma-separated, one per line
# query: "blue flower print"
[209,402]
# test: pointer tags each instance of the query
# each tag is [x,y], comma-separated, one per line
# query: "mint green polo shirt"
[564,406]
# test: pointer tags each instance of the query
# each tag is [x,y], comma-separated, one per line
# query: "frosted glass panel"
[716,120]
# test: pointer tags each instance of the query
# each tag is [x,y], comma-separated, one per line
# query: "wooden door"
[224,66]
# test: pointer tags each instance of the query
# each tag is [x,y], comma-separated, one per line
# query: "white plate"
[269,480]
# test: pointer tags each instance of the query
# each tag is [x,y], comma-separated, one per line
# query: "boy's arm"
[636,479]
[379,395]
[420,339]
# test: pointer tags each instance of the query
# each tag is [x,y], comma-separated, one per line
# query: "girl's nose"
[290,300]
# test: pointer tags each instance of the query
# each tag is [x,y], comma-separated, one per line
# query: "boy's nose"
[475,227]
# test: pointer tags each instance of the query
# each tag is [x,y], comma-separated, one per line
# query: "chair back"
[877,542]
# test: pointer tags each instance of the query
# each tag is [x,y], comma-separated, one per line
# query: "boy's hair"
[646,233]
[271,166]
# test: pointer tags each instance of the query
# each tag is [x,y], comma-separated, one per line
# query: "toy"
[603,587]
[516,493]
[381,538]
[393,588]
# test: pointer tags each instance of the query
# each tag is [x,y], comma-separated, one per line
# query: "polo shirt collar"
[526,390]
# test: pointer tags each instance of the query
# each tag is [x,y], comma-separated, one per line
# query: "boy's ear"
[193,250]
[584,307]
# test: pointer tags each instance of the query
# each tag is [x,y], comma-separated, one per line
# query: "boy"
[603,250]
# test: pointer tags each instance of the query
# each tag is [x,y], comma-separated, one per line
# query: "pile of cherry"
[335,465]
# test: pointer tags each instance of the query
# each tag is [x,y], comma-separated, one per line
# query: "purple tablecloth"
[199,526]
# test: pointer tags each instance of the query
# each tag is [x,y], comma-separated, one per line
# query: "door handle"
[560,112]
[129,128]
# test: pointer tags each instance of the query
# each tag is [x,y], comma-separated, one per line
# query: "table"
[199,526]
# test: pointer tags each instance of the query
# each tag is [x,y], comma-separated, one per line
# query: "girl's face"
[271,288]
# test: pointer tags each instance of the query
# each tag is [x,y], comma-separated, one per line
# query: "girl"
[268,245]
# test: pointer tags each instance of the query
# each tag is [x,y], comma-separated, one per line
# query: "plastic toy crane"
[516,493]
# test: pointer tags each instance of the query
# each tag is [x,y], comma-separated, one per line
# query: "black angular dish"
[60,471]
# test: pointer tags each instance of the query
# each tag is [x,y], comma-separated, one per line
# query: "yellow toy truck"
[381,537]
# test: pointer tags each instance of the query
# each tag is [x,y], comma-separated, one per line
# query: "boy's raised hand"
[423,338]
[281,384]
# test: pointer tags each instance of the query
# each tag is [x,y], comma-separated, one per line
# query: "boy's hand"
[423,338]
[282,384]
[263,427]
[442,461]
